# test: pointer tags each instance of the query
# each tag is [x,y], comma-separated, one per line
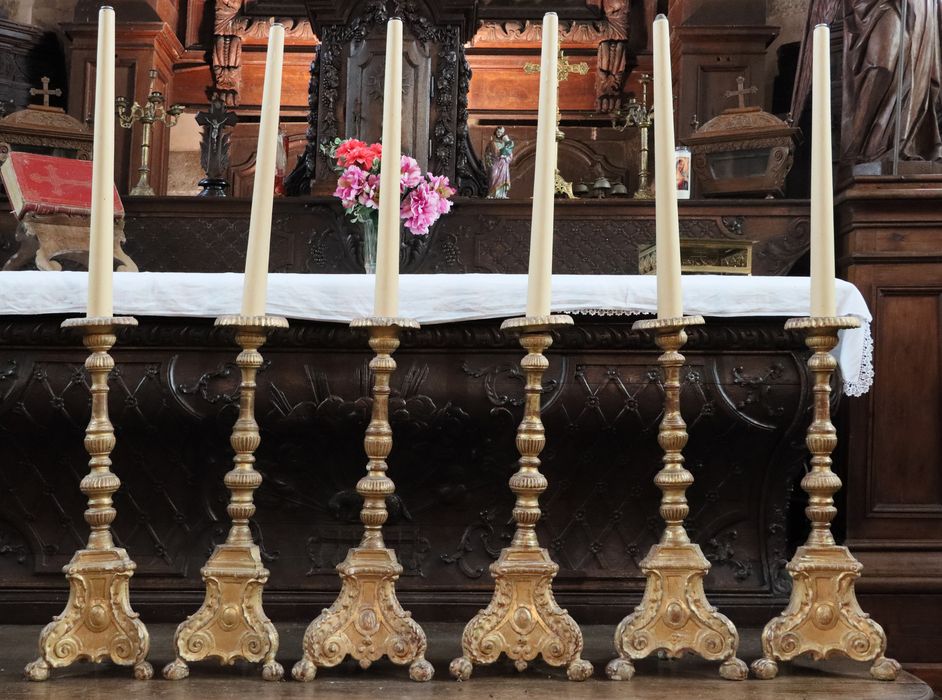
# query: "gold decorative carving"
[527,31]
[823,617]
[366,620]
[674,616]
[523,619]
[231,624]
[98,621]
[703,257]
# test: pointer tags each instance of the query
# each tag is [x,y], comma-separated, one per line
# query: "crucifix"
[741,92]
[214,147]
[563,70]
[45,92]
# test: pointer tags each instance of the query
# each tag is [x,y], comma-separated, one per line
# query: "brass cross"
[45,92]
[741,92]
[563,68]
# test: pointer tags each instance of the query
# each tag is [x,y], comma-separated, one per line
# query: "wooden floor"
[689,679]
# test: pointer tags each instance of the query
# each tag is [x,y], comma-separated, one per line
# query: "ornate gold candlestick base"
[366,621]
[523,620]
[674,615]
[231,624]
[98,621]
[823,617]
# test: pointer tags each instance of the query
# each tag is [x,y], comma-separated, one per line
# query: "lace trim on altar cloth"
[852,385]
[865,373]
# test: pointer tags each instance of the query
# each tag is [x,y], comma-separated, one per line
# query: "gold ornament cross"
[45,92]
[741,92]
[563,68]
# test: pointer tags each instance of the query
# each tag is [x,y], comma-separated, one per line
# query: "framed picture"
[682,171]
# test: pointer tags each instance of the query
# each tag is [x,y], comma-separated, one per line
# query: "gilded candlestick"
[823,617]
[98,621]
[366,621]
[523,619]
[231,624]
[150,113]
[639,115]
[674,615]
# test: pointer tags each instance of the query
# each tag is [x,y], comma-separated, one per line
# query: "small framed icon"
[682,171]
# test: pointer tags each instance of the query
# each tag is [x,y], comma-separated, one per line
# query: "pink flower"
[369,196]
[349,186]
[420,209]
[411,173]
[442,187]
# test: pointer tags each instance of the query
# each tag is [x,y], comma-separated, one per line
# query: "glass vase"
[369,246]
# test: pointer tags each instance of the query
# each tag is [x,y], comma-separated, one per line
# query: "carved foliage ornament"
[230,28]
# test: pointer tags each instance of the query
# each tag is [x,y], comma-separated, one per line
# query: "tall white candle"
[670,302]
[822,193]
[101,228]
[255,287]
[386,299]
[539,284]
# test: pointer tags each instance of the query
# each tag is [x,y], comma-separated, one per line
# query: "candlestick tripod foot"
[231,624]
[674,616]
[366,620]
[620,670]
[98,621]
[523,620]
[823,617]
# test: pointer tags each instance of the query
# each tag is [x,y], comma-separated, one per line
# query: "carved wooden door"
[366,65]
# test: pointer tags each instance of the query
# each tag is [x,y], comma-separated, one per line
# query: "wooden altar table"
[455,406]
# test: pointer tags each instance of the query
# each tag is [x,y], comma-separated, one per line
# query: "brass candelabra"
[97,622]
[366,620]
[523,619]
[231,624]
[674,616]
[639,115]
[823,617]
[151,112]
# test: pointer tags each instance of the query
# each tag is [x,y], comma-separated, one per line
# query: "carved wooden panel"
[312,235]
[889,235]
[365,73]
[904,479]
[457,398]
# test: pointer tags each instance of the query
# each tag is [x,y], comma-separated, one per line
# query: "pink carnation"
[442,187]
[369,196]
[411,173]
[421,209]
[349,186]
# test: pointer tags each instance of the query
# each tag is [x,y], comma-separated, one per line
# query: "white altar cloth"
[443,299]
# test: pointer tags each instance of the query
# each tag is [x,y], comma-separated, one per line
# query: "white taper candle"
[822,194]
[539,284]
[101,226]
[255,285]
[670,303]
[386,299]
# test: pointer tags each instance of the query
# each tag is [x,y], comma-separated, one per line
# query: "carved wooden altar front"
[455,405]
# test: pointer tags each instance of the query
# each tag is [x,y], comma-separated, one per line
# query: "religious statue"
[497,159]
[214,147]
[228,29]
[894,77]
[612,66]
[892,71]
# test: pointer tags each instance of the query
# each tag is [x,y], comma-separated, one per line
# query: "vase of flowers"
[423,197]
